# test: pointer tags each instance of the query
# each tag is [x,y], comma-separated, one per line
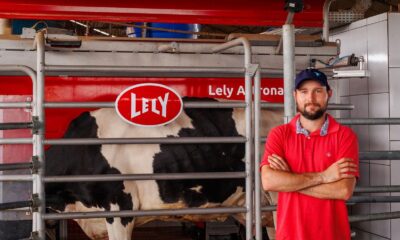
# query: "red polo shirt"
[302,217]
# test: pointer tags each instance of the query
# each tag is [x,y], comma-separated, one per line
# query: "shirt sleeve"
[273,145]
[348,148]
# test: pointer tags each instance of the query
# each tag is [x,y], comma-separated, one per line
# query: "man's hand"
[344,168]
[278,163]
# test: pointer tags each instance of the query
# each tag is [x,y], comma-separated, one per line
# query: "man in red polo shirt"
[313,163]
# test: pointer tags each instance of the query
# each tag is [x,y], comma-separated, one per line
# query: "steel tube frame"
[248,116]
[325,27]
[15,205]
[16,125]
[331,106]
[174,140]
[16,178]
[15,166]
[38,224]
[289,20]
[143,213]
[289,68]
[375,216]
[6,105]
[257,177]
[248,90]
[373,199]
[15,141]
[156,71]
[380,155]
[145,69]
[139,177]
[187,104]
[28,71]
[32,74]
[377,189]
[369,121]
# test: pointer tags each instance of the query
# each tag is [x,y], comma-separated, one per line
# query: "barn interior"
[93,51]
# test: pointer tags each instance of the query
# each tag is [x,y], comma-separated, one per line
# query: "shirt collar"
[305,132]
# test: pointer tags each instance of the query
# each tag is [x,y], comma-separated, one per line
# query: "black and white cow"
[142,159]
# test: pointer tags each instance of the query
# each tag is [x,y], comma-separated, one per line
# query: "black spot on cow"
[83,160]
[174,158]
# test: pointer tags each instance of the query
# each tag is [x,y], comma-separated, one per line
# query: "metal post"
[249,179]
[289,69]
[257,179]
[248,99]
[325,28]
[38,145]
[289,20]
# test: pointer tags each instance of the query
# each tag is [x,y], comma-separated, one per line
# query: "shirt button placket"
[310,150]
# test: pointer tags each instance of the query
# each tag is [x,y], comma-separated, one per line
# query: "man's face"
[312,99]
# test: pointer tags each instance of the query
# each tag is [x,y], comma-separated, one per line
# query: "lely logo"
[148,104]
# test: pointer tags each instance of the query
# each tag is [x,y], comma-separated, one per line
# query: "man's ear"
[330,93]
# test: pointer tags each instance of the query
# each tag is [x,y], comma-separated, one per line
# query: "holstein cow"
[143,159]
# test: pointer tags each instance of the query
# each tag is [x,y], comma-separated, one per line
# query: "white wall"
[377,40]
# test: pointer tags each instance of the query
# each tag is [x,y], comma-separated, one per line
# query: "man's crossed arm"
[336,182]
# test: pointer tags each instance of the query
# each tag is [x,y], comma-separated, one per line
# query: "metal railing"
[38,141]
[251,71]
[37,114]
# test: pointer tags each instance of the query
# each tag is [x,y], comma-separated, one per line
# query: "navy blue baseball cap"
[313,74]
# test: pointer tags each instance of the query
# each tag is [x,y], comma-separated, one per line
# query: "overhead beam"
[232,12]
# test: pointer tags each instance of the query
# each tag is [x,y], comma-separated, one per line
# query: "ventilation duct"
[357,12]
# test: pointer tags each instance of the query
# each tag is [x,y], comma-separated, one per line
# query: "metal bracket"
[295,6]
[35,165]
[34,236]
[36,125]
[173,47]
[251,69]
[35,202]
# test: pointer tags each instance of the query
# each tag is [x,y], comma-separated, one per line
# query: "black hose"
[19,125]
[14,205]
[15,166]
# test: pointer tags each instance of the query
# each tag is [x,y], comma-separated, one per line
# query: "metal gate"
[251,71]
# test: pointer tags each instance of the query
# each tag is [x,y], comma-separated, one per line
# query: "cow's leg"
[119,228]
[274,201]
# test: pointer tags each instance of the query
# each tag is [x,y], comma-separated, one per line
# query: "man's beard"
[312,116]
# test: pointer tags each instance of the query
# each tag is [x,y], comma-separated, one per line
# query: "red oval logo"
[148,104]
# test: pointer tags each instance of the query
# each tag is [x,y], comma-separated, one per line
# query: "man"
[313,163]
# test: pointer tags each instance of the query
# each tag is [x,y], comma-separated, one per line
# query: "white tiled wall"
[377,39]
[378,57]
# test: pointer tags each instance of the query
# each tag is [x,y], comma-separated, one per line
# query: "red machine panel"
[235,12]
[82,89]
